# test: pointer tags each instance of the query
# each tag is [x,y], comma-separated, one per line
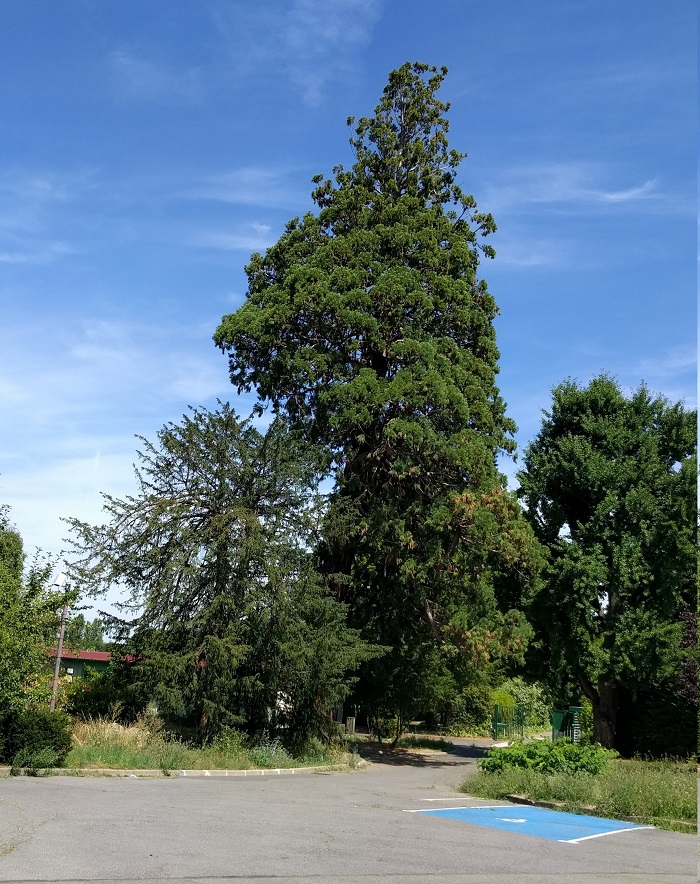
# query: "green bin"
[559,723]
[566,723]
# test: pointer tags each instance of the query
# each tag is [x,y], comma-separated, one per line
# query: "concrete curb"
[152,774]
[589,810]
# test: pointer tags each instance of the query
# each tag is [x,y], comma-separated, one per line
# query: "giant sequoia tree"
[610,488]
[368,326]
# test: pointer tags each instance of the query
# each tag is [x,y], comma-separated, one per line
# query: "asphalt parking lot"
[367,826]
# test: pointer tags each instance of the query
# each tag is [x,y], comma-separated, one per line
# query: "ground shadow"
[384,754]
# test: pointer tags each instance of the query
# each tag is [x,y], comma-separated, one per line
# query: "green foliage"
[32,734]
[473,711]
[231,741]
[533,698]
[368,327]
[32,761]
[215,554]
[384,728]
[610,487]
[145,745]
[502,697]
[93,695]
[28,621]
[560,756]
[84,635]
[270,753]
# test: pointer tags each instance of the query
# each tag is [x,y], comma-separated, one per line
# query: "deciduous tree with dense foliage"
[29,619]
[368,326]
[610,488]
[230,622]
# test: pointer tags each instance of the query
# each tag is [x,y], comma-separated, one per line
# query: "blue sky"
[148,148]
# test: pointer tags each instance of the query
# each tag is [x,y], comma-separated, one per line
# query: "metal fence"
[508,722]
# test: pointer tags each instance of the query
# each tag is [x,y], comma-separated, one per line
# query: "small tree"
[84,635]
[610,487]
[29,621]
[368,326]
[229,619]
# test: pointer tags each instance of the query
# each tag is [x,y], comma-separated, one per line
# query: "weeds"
[101,743]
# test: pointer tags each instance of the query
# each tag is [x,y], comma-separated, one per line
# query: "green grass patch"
[658,793]
[106,744]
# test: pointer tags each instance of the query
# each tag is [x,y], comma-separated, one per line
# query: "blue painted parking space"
[554,825]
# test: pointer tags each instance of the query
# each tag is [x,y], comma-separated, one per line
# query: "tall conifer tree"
[368,326]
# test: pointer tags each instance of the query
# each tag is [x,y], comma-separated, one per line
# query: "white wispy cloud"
[32,208]
[232,242]
[524,252]
[571,185]
[672,374]
[73,401]
[143,79]
[312,42]
[43,253]
[249,185]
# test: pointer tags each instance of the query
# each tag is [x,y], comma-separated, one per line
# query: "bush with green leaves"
[501,697]
[34,737]
[473,712]
[560,756]
[384,727]
[532,697]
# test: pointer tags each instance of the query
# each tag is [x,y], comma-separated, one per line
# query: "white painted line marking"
[506,819]
[477,807]
[600,834]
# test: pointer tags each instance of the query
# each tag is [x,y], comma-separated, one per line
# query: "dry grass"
[101,743]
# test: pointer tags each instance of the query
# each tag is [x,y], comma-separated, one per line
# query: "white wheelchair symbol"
[505,819]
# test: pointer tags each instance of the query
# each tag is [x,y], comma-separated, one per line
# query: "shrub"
[33,761]
[382,727]
[560,756]
[231,741]
[501,697]
[270,753]
[533,698]
[34,733]
[474,711]
[91,696]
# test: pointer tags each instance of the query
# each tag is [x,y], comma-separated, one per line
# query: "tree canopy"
[229,621]
[84,635]
[29,621]
[610,487]
[368,326]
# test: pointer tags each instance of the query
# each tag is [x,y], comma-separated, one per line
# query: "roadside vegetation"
[144,745]
[661,793]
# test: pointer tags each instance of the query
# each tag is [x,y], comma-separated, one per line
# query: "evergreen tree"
[229,622]
[610,488]
[368,326]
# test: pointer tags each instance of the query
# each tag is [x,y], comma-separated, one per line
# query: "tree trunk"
[605,715]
